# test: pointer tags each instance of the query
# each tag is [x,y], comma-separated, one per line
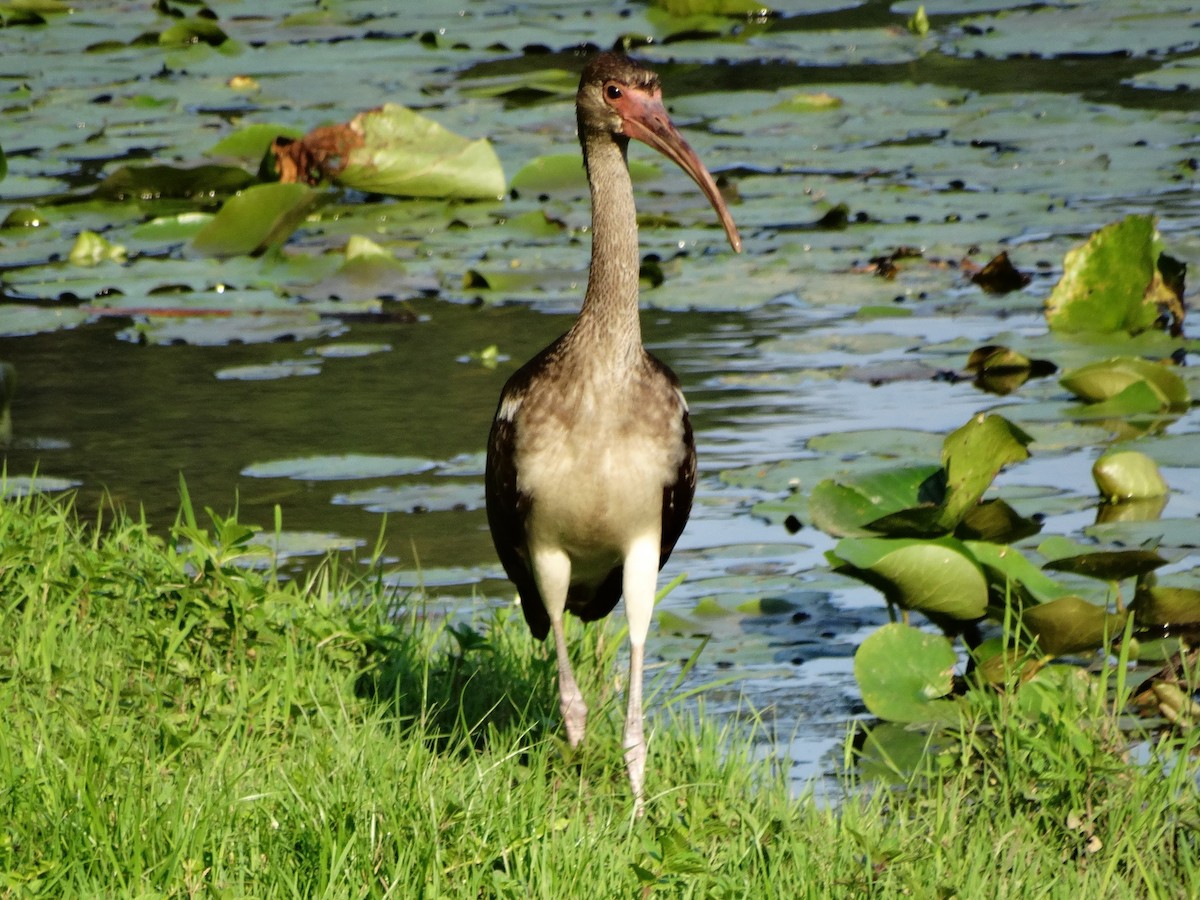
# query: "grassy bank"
[175,725]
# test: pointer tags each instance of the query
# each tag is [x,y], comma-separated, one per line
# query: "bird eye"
[612,92]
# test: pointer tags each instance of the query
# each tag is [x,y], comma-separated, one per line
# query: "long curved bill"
[645,117]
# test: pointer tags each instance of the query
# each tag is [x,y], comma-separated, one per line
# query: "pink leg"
[570,698]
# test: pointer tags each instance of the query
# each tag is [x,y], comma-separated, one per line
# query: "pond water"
[361,407]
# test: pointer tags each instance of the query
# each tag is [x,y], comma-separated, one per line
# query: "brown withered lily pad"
[1000,276]
[395,151]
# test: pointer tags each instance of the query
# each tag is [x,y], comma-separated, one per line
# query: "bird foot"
[635,764]
[574,713]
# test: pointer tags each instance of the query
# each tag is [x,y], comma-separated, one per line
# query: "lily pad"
[1104,282]
[854,505]
[1128,475]
[157,182]
[1166,606]
[973,455]
[91,249]
[339,467]
[1108,380]
[941,577]
[1071,625]
[903,673]
[417,498]
[1109,565]
[284,368]
[258,218]
[402,153]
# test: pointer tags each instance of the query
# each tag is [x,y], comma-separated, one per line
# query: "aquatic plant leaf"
[854,505]
[1104,281]
[1166,606]
[1000,276]
[893,753]
[339,467]
[939,576]
[1108,565]
[3,163]
[904,672]
[1071,625]
[563,172]
[537,85]
[713,7]
[193,31]
[91,249]
[1110,378]
[1147,509]
[251,142]
[972,456]
[272,371]
[1181,532]
[994,520]
[402,153]
[24,217]
[260,217]
[1182,450]
[417,498]
[1009,571]
[158,182]
[1128,475]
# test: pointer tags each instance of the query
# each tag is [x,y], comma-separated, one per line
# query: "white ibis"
[591,465]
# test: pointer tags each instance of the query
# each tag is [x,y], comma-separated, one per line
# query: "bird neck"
[608,324]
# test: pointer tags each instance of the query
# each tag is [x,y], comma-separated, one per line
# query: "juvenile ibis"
[591,464]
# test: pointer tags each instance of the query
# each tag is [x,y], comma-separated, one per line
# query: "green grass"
[174,725]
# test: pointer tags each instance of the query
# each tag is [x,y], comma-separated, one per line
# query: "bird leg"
[570,698]
[641,577]
[635,741]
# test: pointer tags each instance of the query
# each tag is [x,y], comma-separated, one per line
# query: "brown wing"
[677,497]
[507,507]
[507,510]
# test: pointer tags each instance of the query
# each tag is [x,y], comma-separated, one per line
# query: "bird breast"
[594,459]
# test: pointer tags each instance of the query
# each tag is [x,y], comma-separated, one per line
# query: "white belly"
[596,476]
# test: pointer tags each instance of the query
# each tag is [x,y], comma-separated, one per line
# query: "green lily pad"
[403,153]
[193,31]
[1109,565]
[1171,449]
[1128,475]
[157,182]
[903,673]
[941,576]
[1103,286]
[251,142]
[1071,625]
[417,498]
[995,520]
[283,368]
[258,218]
[1166,606]
[894,753]
[1129,380]
[340,467]
[973,455]
[179,227]
[1182,533]
[854,505]
[91,249]
[1009,572]
[564,172]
